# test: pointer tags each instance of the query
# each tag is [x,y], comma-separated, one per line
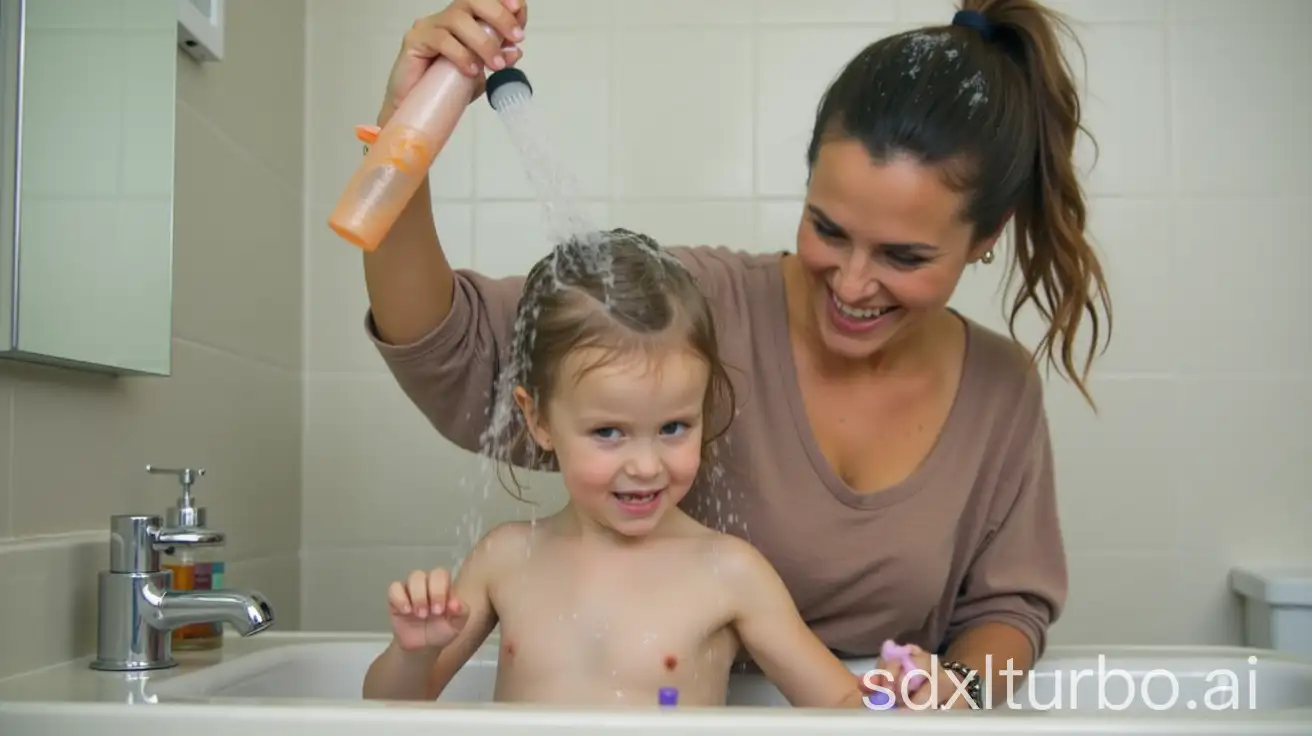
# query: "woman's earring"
[987,257]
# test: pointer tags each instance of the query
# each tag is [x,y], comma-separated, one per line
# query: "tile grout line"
[296,373]
[612,111]
[754,69]
[218,132]
[12,419]
[1094,194]
[48,541]
[307,304]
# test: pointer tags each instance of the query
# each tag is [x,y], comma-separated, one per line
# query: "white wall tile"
[776,225]
[1125,108]
[1081,13]
[1240,286]
[571,14]
[361,575]
[395,16]
[1263,12]
[697,223]
[794,67]
[789,12]
[455,231]
[1135,423]
[382,475]
[1244,466]
[1235,109]
[683,127]
[1109,592]
[1138,253]
[920,12]
[6,452]
[687,13]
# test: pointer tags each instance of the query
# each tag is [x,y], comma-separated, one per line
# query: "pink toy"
[901,653]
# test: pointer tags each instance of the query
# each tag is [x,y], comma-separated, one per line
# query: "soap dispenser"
[194,568]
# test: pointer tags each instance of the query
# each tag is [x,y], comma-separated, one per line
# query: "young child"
[621,593]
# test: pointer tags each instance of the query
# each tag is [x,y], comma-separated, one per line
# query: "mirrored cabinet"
[86,183]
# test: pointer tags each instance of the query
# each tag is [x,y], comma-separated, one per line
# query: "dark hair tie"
[975,20]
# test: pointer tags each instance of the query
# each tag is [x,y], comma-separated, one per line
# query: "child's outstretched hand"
[424,613]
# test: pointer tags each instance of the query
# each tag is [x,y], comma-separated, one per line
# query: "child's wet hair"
[619,293]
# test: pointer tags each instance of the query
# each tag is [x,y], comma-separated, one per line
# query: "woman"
[890,457]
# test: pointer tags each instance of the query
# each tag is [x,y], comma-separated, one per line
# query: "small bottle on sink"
[194,568]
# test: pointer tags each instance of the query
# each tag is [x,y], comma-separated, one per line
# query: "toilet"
[1277,608]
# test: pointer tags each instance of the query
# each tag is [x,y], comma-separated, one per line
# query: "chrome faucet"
[138,610]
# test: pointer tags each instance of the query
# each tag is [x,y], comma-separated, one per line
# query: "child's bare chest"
[629,634]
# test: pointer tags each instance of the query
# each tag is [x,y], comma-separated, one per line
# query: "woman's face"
[881,246]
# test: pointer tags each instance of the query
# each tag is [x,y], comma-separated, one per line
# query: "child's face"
[627,434]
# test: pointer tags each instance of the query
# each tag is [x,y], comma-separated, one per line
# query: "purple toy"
[669,696]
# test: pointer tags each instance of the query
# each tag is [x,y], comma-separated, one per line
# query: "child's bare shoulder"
[738,553]
[732,554]
[504,544]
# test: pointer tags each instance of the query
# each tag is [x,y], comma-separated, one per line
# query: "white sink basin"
[1070,680]
[335,671]
[308,684]
[324,671]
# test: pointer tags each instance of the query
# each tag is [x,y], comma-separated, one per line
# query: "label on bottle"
[204,576]
[195,576]
[216,575]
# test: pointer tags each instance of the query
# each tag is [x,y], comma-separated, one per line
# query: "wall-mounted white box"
[200,28]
